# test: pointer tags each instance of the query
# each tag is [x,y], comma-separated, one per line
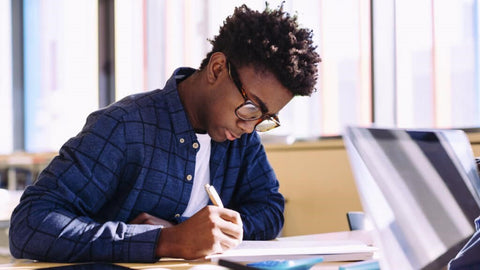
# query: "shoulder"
[159,100]
[134,104]
[128,113]
[132,107]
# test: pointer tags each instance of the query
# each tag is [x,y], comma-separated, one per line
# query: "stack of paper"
[341,250]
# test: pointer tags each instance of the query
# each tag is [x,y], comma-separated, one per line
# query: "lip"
[230,135]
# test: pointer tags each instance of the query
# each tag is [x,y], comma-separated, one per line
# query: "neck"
[190,92]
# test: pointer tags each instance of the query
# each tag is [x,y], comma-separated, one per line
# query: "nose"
[247,126]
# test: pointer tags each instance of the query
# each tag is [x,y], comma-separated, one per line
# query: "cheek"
[225,105]
[221,112]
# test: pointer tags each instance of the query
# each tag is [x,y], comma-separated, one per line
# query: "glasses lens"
[248,111]
[266,125]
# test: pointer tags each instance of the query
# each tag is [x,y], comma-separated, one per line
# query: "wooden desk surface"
[179,264]
[161,265]
[167,265]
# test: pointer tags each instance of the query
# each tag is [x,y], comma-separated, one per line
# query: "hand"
[211,230]
[145,218]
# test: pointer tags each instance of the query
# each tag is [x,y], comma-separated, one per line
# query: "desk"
[178,264]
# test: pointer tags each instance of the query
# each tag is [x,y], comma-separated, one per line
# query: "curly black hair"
[270,40]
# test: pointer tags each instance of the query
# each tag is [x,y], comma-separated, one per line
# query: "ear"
[217,64]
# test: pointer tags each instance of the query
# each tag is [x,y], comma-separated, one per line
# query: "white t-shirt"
[199,197]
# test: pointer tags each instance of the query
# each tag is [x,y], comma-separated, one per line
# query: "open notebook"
[288,249]
[419,188]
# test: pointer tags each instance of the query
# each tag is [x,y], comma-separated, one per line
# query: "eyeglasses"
[249,111]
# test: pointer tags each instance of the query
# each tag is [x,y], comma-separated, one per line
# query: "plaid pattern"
[135,156]
[468,257]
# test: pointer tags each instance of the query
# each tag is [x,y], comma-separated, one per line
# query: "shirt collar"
[181,125]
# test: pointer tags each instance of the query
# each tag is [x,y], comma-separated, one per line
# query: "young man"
[130,185]
[469,256]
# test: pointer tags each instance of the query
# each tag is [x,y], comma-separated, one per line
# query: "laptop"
[419,189]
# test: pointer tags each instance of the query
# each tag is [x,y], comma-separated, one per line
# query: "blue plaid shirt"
[134,156]
[469,257]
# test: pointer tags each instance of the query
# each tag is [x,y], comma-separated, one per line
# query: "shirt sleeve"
[468,257]
[54,220]
[258,200]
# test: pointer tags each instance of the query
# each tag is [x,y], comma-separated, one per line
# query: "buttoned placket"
[189,177]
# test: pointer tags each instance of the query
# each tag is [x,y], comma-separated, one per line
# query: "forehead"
[263,87]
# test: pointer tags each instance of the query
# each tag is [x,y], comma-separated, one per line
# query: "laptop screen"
[419,188]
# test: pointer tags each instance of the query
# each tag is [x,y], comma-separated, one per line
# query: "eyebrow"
[238,83]
[263,107]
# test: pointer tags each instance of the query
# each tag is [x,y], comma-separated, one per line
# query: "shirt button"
[195,145]
[182,140]
[189,177]
[177,215]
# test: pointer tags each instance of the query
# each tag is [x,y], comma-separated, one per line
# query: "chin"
[219,140]
[217,137]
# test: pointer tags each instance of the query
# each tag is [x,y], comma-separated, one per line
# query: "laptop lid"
[420,190]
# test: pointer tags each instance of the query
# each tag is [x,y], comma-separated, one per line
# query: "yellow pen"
[212,193]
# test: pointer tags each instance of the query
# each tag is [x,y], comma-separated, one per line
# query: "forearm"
[468,257]
[41,232]
[263,221]
[257,198]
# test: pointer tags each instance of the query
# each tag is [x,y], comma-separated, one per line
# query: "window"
[397,63]
[455,63]
[6,101]
[342,33]
[155,37]
[61,70]
[426,63]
